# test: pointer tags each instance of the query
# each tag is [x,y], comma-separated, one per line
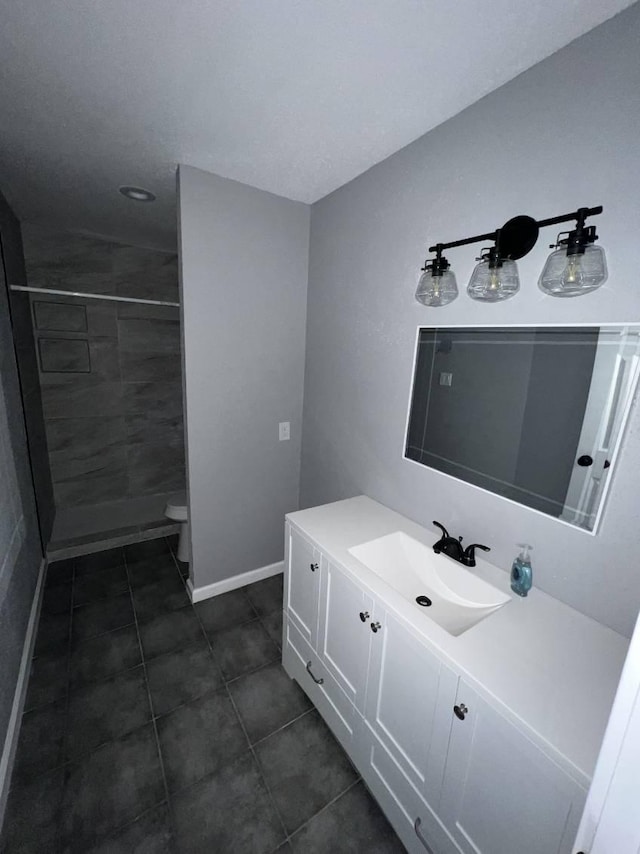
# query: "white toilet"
[177,510]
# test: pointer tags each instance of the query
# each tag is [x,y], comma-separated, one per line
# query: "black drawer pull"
[364,616]
[416,826]
[317,681]
[313,567]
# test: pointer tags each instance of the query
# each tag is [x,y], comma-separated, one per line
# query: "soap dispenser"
[521,572]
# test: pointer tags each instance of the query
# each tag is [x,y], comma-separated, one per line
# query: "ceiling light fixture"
[138,194]
[574,268]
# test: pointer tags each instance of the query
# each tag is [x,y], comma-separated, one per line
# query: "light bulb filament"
[573,271]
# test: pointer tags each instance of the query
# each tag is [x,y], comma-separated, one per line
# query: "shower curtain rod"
[92,296]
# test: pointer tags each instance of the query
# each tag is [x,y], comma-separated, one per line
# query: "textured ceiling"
[292,96]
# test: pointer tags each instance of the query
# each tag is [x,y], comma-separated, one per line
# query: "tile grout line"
[242,726]
[326,806]
[255,669]
[287,839]
[70,687]
[92,682]
[153,718]
[226,684]
[284,726]
[259,767]
[64,762]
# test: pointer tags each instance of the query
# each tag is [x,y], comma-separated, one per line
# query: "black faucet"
[453,548]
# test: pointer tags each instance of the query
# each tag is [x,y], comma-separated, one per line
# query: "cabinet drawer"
[338,712]
[400,801]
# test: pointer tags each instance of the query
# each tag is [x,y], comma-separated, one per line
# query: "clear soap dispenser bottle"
[521,572]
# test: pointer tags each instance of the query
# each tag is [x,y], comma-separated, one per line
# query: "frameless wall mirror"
[532,413]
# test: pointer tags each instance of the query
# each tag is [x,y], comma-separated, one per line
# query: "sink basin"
[459,599]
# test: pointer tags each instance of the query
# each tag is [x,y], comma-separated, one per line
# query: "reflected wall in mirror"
[532,413]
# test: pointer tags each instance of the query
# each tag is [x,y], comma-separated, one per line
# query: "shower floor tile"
[156,730]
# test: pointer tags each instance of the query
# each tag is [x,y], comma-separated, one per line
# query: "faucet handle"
[469,556]
[445,533]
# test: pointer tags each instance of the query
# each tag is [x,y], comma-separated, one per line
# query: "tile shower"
[110,382]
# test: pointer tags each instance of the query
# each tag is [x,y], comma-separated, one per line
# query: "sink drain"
[424,601]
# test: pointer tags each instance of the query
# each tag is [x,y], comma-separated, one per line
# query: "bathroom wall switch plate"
[284,431]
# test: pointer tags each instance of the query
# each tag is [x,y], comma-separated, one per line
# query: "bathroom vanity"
[475,720]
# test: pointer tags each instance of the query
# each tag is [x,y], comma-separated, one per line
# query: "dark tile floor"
[155,726]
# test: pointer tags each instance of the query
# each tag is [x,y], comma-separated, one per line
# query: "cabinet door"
[409,693]
[303,585]
[501,793]
[344,632]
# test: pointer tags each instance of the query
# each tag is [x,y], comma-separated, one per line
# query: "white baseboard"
[199,593]
[13,728]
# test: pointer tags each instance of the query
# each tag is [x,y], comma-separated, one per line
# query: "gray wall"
[244,258]
[561,135]
[110,372]
[23,339]
[20,551]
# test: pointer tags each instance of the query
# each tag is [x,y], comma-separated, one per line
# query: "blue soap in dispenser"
[521,572]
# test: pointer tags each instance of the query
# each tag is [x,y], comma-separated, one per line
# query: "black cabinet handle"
[313,567]
[375,627]
[317,681]
[460,711]
[585,461]
[364,616]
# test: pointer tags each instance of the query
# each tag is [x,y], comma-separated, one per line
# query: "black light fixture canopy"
[517,237]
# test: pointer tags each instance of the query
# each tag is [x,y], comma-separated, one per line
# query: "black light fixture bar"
[524,223]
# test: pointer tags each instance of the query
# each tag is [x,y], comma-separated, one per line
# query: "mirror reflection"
[534,414]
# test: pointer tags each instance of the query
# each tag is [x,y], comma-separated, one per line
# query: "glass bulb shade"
[492,284]
[437,290]
[573,275]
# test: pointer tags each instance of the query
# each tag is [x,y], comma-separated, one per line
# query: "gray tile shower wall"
[110,373]
[20,549]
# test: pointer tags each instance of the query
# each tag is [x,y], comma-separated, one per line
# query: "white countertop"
[546,664]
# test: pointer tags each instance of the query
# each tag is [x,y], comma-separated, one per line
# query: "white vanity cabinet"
[324,681]
[409,697]
[303,584]
[452,774]
[402,742]
[344,634]
[501,793]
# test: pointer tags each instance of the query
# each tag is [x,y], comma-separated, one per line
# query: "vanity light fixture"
[577,266]
[437,284]
[495,278]
[574,268]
